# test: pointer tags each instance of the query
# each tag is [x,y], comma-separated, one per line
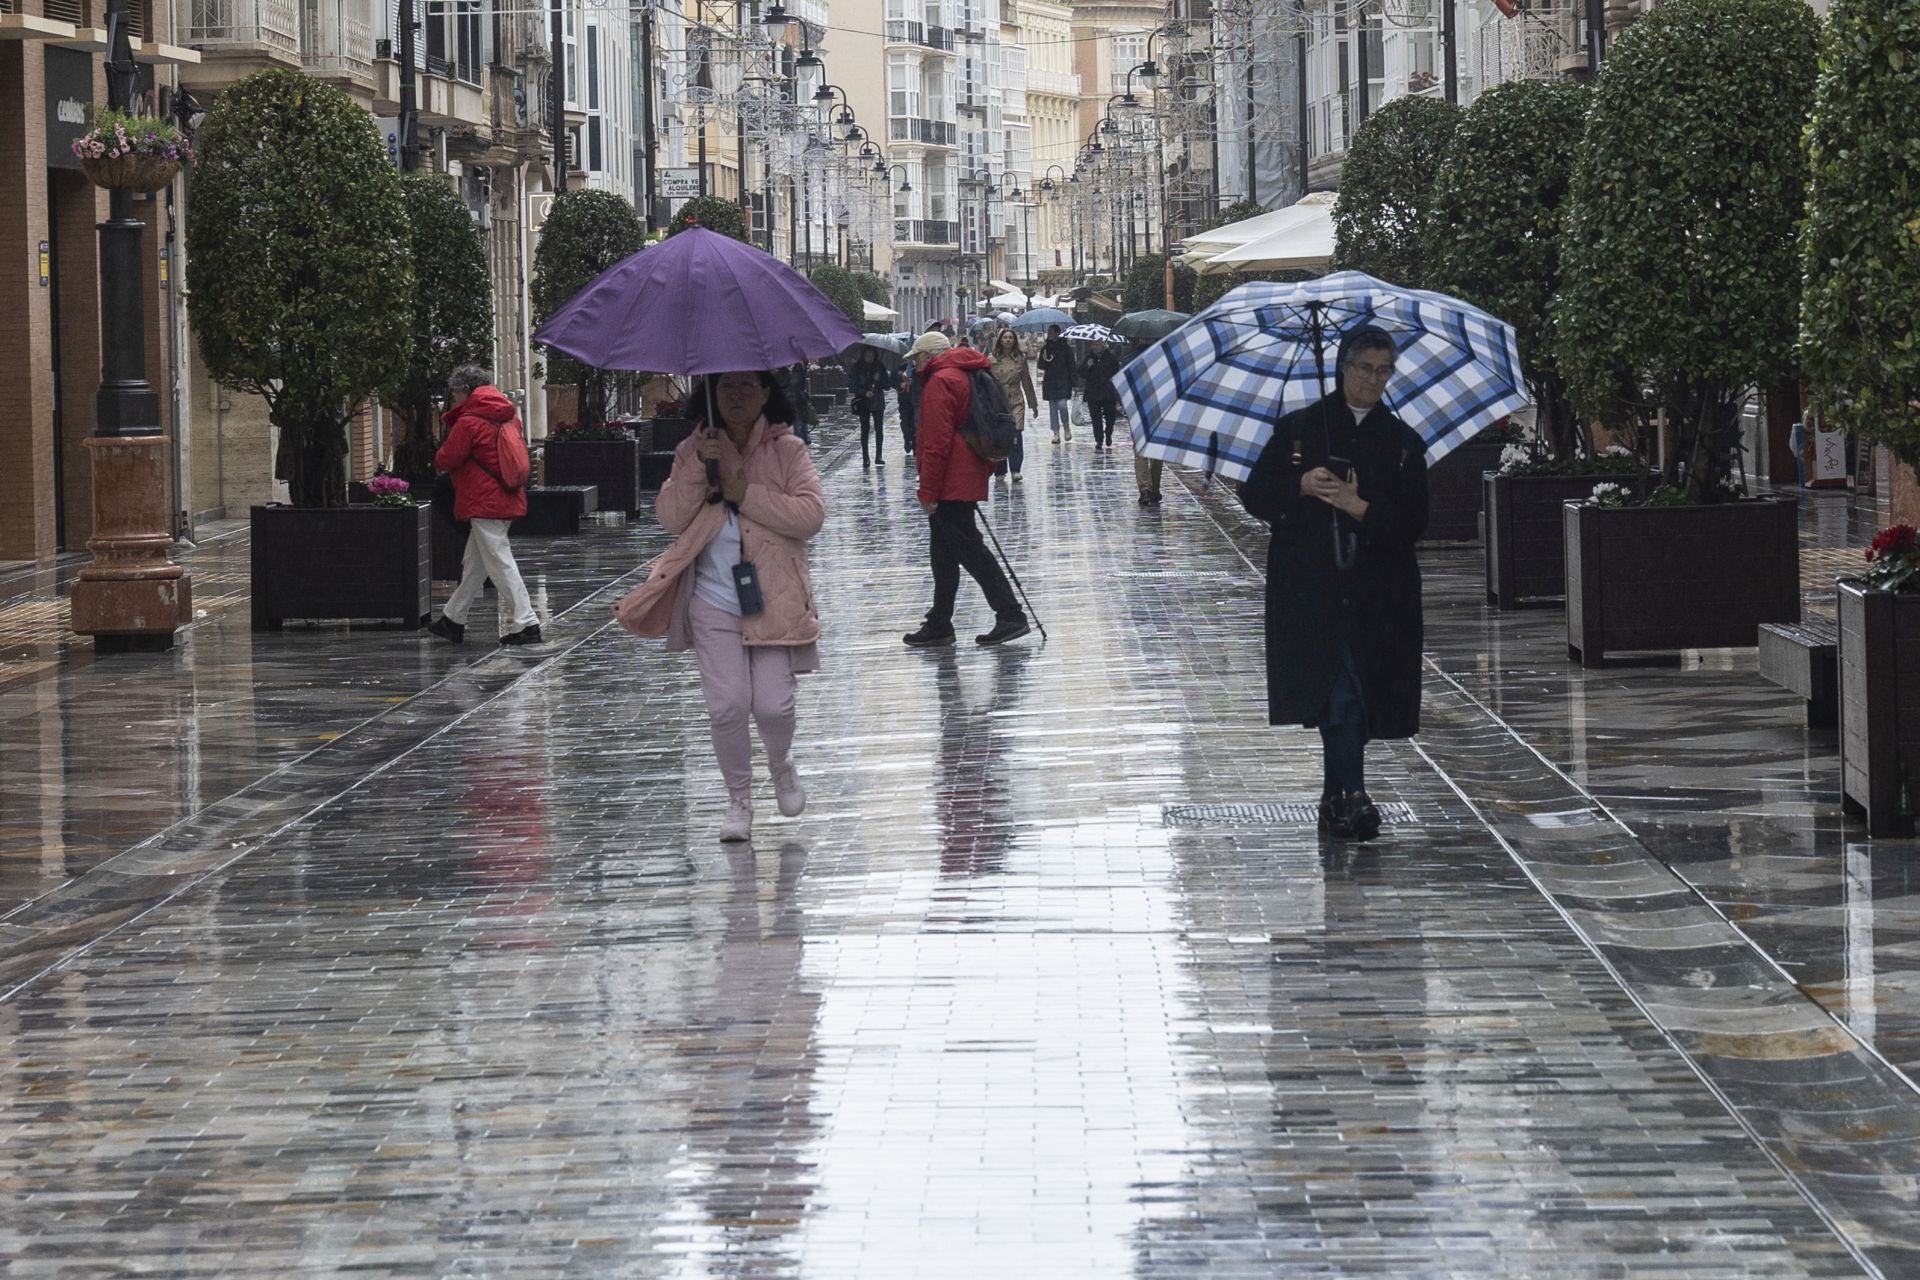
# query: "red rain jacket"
[950,471]
[471,455]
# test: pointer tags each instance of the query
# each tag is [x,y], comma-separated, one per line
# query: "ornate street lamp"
[131,596]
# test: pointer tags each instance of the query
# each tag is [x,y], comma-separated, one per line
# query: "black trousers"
[909,420]
[873,421]
[1104,414]
[956,544]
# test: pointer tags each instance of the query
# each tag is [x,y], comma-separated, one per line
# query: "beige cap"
[928,344]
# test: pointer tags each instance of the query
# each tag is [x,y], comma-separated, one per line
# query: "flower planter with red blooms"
[131,153]
[1880,684]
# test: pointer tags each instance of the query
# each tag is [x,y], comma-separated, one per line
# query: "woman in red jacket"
[477,415]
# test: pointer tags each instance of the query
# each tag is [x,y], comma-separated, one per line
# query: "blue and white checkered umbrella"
[1208,394]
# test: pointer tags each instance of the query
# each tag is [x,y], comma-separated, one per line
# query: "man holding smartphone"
[1343,483]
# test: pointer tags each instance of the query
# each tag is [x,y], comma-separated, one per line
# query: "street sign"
[539,205]
[680,183]
[389,127]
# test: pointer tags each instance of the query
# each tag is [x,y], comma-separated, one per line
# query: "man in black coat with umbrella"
[1343,483]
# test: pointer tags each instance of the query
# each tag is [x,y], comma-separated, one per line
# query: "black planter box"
[1880,706]
[449,543]
[555,510]
[363,564]
[668,433]
[611,466]
[1667,578]
[1454,490]
[1526,535]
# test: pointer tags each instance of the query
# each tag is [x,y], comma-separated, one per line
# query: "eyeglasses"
[1381,372]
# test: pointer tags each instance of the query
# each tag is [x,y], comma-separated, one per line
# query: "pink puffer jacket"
[782,509]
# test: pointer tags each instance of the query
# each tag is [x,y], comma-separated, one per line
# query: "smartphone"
[1340,467]
[746,585]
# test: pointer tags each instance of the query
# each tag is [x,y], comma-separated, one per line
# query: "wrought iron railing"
[935,133]
[333,39]
[925,231]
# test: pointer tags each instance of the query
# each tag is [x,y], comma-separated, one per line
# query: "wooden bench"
[1805,657]
[556,510]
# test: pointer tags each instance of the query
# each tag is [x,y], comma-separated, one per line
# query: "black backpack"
[989,429]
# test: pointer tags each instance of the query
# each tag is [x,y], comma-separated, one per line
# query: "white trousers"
[489,556]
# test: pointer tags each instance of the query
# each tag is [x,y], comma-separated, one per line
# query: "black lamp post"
[131,596]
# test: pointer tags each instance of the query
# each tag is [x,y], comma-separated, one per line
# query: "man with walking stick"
[953,482]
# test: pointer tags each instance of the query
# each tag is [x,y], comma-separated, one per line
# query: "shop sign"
[69,104]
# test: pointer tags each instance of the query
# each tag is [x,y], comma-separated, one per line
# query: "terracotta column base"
[132,596]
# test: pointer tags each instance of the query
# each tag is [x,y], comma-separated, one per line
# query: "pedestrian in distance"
[1097,373]
[1056,381]
[799,394]
[1343,483]
[909,392]
[1016,379]
[485,455]
[867,388]
[953,484]
[743,500]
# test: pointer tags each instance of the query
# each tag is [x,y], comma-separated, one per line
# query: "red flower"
[1897,540]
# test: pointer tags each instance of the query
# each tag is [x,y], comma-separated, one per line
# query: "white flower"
[1513,457]
[1609,495]
[1618,451]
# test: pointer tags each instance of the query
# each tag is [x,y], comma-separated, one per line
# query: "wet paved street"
[328,951]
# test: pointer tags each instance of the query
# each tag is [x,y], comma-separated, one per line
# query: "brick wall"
[26,360]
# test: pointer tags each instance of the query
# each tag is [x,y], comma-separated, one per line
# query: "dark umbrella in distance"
[891,346]
[1149,326]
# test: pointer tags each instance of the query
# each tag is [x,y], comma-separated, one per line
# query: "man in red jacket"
[953,482]
[476,416]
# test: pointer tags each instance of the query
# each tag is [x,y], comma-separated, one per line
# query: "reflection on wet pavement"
[474,991]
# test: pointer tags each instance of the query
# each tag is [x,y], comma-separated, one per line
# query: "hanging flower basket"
[130,173]
[131,153]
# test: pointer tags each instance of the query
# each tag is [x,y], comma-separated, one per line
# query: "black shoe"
[1146,499]
[1363,814]
[1153,499]
[929,636]
[451,632]
[1004,630]
[879,462]
[530,635]
[1333,816]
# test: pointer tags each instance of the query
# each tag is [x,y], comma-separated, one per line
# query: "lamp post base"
[132,597]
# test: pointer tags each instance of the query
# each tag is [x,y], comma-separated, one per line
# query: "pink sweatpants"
[740,682]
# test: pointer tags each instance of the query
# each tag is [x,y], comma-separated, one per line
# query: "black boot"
[1362,815]
[452,632]
[929,636]
[1335,819]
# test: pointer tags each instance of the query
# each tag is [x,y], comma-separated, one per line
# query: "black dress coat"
[1056,369]
[1096,376]
[1311,603]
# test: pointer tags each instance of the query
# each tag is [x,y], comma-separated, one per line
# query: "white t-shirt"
[713,571]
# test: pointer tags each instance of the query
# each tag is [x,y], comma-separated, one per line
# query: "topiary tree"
[1146,284]
[841,290]
[585,233]
[298,266]
[452,312]
[1680,282]
[873,288]
[1495,238]
[713,213]
[1860,246]
[1386,189]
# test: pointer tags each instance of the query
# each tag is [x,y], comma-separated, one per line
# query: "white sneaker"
[1016,477]
[787,792]
[738,824]
[1069,433]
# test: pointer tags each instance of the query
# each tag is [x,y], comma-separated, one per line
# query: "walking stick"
[1008,565]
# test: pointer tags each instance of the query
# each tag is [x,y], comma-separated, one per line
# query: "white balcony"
[242,26]
[336,41]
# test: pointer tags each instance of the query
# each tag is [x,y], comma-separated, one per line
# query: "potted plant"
[131,153]
[586,232]
[1860,247]
[603,454]
[301,285]
[1679,284]
[1495,242]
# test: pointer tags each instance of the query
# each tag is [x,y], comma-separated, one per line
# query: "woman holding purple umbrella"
[743,500]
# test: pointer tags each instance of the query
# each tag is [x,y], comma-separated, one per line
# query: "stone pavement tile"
[503,1006]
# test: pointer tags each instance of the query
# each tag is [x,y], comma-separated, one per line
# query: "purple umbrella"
[698,302]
